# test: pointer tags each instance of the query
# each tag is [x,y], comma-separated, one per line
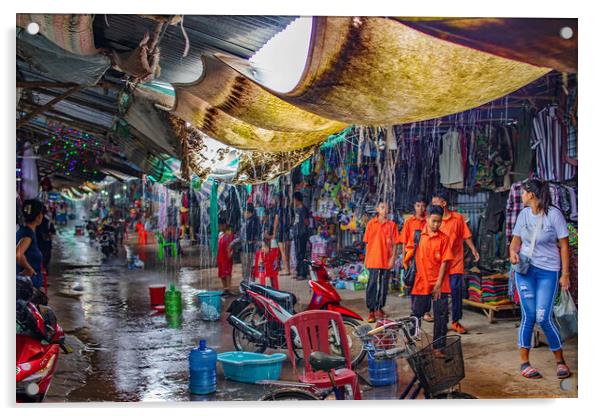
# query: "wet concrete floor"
[125,351]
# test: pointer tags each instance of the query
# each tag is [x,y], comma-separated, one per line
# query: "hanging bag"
[566,316]
[409,276]
[524,262]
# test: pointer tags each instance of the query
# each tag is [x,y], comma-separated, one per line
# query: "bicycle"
[437,371]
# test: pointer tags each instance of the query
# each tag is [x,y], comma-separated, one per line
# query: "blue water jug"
[382,372]
[202,363]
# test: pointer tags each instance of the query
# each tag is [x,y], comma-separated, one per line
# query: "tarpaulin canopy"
[536,41]
[58,63]
[379,71]
[72,32]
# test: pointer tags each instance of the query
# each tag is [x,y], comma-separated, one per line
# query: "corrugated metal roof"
[240,36]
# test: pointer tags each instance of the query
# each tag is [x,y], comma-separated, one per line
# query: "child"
[266,264]
[224,255]
[433,255]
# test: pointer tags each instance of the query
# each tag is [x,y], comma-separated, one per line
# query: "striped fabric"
[550,146]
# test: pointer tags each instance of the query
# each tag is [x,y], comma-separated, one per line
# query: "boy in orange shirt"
[414,223]
[380,238]
[431,283]
[455,227]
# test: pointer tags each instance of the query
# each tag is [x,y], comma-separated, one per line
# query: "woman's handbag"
[524,262]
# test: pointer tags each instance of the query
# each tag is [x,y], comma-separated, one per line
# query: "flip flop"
[562,371]
[529,372]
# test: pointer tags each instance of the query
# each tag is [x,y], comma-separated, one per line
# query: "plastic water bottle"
[382,372]
[202,364]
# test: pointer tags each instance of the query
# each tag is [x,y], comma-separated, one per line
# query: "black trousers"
[301,254]
[421,305]
[378,287]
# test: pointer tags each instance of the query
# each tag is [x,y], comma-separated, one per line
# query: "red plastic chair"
[313,328]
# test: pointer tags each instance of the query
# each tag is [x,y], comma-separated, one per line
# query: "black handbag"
[409,275]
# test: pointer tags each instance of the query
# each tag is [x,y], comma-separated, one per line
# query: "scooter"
[259,314]
[107,241]
[39,340]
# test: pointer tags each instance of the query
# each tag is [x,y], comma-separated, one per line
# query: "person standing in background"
[301,234]
[29,256]
[454,226]
[414,223]
[380,238]
[250,236]
[283,234]
[44,233]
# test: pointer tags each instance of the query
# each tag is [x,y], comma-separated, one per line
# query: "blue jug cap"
[202,344]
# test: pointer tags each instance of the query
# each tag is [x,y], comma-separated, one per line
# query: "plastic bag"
[566,316]
[363,277]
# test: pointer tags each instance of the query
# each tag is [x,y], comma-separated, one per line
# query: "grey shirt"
[546,254]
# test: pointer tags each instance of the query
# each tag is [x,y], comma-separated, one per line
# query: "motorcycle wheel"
[288,394]
[241,342]
[356,348]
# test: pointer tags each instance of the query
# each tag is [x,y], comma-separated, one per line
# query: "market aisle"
[130,353]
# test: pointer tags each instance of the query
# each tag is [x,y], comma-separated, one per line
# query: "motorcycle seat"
[326,362]
[286,299]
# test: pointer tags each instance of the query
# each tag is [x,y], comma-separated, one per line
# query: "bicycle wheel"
[454,395]
[288,394]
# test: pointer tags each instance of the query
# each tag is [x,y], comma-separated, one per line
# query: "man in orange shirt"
[456,229]
[414,223]
[431,283]
[380,238]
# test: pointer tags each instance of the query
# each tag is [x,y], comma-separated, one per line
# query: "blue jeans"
[537,290]
[455,281]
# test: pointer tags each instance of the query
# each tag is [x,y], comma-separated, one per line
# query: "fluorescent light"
[279,64]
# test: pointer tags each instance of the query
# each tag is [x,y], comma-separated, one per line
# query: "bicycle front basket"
[441,370]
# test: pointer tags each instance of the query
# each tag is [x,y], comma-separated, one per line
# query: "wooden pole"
[47,106]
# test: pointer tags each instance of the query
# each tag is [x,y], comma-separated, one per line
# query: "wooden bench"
[489,310]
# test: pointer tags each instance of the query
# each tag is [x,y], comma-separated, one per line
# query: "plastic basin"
[249,367]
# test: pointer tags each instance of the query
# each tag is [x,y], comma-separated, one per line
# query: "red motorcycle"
[259,314]
[39,338]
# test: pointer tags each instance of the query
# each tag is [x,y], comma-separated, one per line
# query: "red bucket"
[157,295]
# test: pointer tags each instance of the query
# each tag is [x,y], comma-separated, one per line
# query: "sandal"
[562,370]
[529,372]
[428,317]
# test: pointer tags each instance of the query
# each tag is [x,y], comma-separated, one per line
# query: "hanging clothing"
[514,206]
[549,146]
[523,154]
[451,170]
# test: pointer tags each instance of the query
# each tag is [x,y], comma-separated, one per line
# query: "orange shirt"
[457,230]
[380,239]
[410,226]
[432,251]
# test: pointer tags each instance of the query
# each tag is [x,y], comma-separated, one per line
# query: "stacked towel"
[488,289]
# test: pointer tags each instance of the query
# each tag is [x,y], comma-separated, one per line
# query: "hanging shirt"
[457,230]
[546,254]
[451,169]
[432,251]
[380,239]
[410,225]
